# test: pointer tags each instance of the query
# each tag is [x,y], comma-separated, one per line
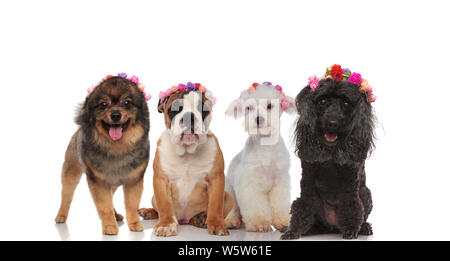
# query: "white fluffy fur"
[258,177]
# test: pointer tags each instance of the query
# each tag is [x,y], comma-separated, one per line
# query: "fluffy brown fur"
[109,163]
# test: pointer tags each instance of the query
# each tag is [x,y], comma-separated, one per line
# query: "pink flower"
[251,89]
[174,88]
[181,87]
[278,88]
[239,101]
[134,79]
[162,95]
[213,101]
[285,104]
[202,88]
[373,98]
[313,82]
[90,90]
[168,92]
[147,96]
[355,78]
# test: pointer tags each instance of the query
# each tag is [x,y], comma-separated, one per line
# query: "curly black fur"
[334,197]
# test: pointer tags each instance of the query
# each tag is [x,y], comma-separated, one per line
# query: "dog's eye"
[249,108]
[127,103]
[269,106]
[322,101]
[176,108]
[103,104]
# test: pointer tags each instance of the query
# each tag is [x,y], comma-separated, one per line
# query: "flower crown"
[134,79]
[336,72]
[189,86]
[284,100]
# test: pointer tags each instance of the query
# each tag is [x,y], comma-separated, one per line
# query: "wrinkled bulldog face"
[187,116]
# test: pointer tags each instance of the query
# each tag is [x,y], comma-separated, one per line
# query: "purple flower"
[123,75]
[267,83]
[190,86]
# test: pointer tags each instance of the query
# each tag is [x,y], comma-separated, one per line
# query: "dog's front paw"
[60,219]
[366,229]
[136,226]
[258,225]
[217,227]
[110,229]
[165,230]
[350,234]
[289,234]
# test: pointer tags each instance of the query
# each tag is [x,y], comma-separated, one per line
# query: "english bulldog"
[188,167]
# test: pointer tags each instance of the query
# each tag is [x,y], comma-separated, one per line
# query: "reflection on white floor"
[188,233]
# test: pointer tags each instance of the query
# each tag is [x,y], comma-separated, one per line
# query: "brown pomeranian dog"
[112,148]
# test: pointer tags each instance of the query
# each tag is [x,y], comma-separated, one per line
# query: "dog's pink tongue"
[115,133]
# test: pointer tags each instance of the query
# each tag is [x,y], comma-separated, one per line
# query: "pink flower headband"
[336,72]
[134,79]
[187,87]
[284,100]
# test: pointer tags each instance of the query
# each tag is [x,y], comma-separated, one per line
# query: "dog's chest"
[187,171]
[328,180]
[270,158]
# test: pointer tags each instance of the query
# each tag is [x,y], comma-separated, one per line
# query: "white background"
[52,51]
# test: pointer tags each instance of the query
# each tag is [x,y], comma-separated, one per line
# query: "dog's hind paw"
[350,234]
[289,234]
[366,229]
[118,216]
[233,223]
[284,229]
[199,220]
[148,213]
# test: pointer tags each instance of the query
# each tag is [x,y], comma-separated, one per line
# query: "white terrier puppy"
[258,177]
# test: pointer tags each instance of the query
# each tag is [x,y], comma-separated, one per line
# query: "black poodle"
[333,136]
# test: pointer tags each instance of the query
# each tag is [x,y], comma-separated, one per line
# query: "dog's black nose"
[332,125]
[116,116]
[259,121]
[188,120]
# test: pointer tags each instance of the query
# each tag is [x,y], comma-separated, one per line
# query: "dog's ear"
[82,114]
[301,102]
[291,108]
[234,109]
[161,105]
[362,136]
